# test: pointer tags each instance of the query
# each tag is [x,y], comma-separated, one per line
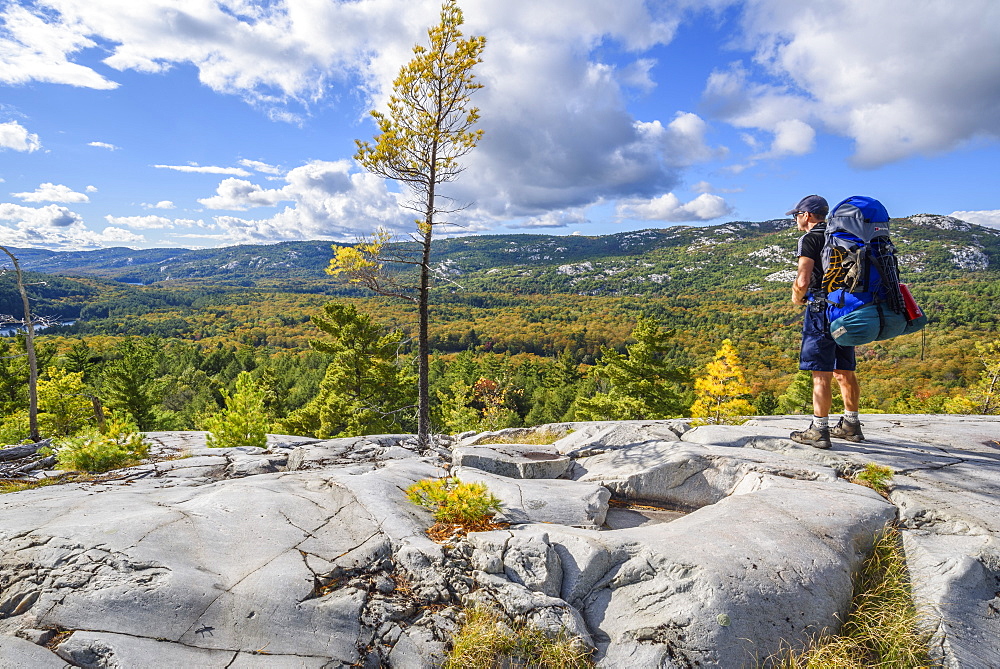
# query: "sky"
[206,123]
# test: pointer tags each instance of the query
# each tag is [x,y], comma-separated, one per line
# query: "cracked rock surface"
[307,554]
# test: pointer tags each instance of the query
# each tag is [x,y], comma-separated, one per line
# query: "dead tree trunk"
[29,345]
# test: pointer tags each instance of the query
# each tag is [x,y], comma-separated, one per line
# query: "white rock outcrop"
[655,543]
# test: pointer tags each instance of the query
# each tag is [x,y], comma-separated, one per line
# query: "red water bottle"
[913,311]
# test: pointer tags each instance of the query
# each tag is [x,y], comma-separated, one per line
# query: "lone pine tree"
[427,130]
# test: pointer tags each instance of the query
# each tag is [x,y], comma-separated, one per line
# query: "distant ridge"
[643,261]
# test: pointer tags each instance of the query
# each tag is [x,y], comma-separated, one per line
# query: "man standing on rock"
[820,354]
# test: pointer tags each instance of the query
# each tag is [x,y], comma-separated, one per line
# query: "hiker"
[820,354]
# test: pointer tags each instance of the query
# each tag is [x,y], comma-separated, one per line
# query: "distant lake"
[10,331]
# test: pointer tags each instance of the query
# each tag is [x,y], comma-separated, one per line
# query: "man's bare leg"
[850,427]
[818,434]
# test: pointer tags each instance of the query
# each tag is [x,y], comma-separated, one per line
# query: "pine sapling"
[243,422]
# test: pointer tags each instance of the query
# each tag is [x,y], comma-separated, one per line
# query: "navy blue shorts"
[820,353]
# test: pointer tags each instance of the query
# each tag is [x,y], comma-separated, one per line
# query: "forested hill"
[536,298]
[739,255]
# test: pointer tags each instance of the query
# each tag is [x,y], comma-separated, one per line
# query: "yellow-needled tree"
[428,128]
[721,391]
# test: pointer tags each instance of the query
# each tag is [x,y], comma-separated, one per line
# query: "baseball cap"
[811,203]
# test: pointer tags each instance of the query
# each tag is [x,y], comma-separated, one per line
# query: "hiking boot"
[845,429]
[815,437]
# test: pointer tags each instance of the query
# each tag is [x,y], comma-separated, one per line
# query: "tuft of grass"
[18,486]
[470,505]
[486,641]
[874,476]
[535,438]
[884,628]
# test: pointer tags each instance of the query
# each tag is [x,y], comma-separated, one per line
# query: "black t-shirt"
[811,246]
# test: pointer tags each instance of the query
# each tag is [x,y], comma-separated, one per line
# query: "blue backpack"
[861,276]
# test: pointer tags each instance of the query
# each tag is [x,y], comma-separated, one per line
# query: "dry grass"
[18,486]
[485,641]
[448,532]
[883,629]
[536,438]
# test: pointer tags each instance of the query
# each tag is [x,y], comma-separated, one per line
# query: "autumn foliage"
[721,392]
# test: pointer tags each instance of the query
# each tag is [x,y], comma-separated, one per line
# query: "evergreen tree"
[242,422]
[454,411]
[365,390]
[641,384]
[553,402]
[186,396]
[13,378]
[766,404]
[130,380]
[797,398]
[720,392]
[81,358]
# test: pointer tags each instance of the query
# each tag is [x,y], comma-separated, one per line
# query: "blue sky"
[202,123]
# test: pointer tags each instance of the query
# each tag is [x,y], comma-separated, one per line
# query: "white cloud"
[920,87]
[264,52]
[110,236]
[637,75]
[706,187]
[558,134]
[162,204]
[205,169]
[49,192]
[570,147]
[152,222]
[36,48]
[682,141]
[91,189]
[987,218]
[329,201]
[792,138]
[897,81]
[553,219]
[260,166]
[50,226]
[49,216]
[239,194]
[15,136]
[104,145]
[669,208]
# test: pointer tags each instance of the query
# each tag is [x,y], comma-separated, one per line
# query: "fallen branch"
[23,451]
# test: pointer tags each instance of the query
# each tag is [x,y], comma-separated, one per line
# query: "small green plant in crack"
[469,505]
[486,641]
[874,476]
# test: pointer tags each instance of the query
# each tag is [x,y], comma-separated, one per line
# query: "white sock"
[821,423]
[851,417]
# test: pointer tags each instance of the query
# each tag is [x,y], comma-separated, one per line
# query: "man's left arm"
[800,287]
